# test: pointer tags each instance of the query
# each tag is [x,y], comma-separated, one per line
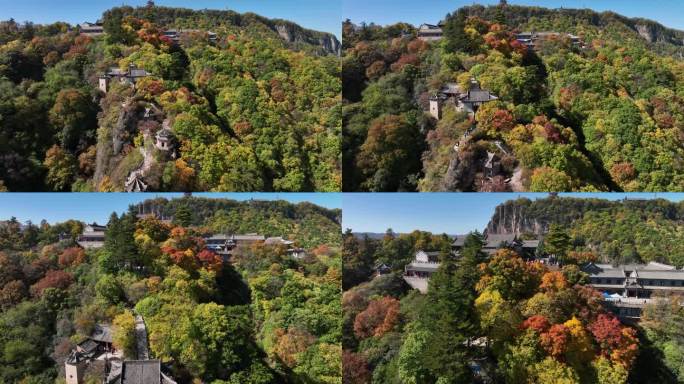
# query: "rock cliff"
[293,33]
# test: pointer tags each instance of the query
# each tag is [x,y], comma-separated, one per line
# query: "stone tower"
[74,368]
[104,83]
[436,107]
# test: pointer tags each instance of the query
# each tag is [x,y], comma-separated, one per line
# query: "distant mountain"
[307,223]
[572,20]
[289,31]
[372,235]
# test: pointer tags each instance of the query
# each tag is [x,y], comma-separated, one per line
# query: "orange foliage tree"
[378,318]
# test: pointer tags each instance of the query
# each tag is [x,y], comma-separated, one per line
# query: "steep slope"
[207,19]
[244,103]
[309,224]
[599,109]
[616,231]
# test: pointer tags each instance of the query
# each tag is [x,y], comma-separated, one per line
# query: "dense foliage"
[602,114]
[256,109]
[261,317]
[502,318]
[613,231]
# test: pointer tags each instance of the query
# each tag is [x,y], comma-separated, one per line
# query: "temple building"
[635,280]
[176,34]
[429,32]
[129,76]
[93,236]
[165,140]
[224,245]
[495,242]
[92,348]
[532,39]
[418,272]
[469,101]
[90,29]
[137,372]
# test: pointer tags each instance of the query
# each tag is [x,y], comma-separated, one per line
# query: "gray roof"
[655,271]
[493,241]
[422,267]
[102,332]
[218,237]
[459,241]
[141,372]
[249,237]
[277,240]
[88,346]
[432,253]
[116,71]
[138,73]
[164,133]
[662,275]
[451,88]
[478,96]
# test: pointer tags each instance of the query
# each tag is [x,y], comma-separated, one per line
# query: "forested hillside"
[255,107]
[615,231]
[600,113]
[260,317]
[507,317]
[495,317]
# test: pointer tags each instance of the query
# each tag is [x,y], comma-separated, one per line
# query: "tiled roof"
[141,372]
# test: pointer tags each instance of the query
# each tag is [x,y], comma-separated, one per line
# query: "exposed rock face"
[647,33]
[331,44]
[513,219]
[108,149]
[458,175]
[295,34]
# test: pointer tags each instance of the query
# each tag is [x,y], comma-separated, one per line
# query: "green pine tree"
[450,314]
[557,243]
[183,216]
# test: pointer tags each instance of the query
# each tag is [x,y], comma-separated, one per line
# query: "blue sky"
[383,12]
[89,207]
[451,213]
[314,14]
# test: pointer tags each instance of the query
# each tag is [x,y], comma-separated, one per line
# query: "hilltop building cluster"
[626,289]
[175,35]
[532,40]
[93,237]
[425,263]
[130,76]
[224,244]
[117,370]
[468,101]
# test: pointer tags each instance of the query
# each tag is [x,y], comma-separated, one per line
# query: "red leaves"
[72,257]
[404,60]
[623,172]
[607,331]
[210,260]
[52,279]
[378,318]
[354,368]
[417,46]
[291,344]
[617,342]
[555,340]
[538,323]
